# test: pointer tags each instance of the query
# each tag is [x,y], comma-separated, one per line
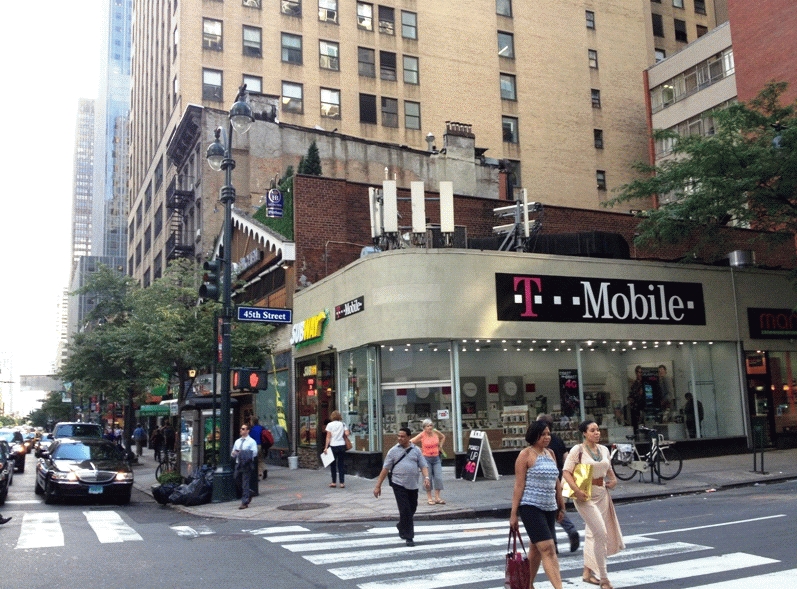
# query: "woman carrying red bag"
[537,500]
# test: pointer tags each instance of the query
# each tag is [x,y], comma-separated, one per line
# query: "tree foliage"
[311,163]
[745,174]
[52,410]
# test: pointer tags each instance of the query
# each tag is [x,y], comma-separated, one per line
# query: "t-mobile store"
[487,340]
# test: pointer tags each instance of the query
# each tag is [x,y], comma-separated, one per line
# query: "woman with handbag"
[537,500]
[603,537]
[431,442]
[337,432]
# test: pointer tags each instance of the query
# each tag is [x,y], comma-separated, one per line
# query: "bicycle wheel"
[668,462]
[622,468]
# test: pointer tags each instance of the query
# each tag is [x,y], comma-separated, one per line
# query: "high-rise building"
[83,181]
[553,87]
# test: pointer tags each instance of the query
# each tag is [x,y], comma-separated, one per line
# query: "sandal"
[592,580]
[606,585]
[440,502]
[430,501]
[333,486]
[342,486]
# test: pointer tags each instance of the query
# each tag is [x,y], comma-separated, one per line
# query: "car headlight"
[124,476]
[64,476]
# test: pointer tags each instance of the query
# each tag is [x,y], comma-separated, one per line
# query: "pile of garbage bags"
[197,490]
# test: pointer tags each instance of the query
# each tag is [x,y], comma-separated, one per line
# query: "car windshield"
[83,452]
[7,436]
[79,430]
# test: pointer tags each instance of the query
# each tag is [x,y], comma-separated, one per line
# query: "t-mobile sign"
[523,297]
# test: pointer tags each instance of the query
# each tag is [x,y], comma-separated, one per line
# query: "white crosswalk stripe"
[44,530]
[472,555]
[110,527]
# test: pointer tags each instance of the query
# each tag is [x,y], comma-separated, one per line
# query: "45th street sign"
[265,315]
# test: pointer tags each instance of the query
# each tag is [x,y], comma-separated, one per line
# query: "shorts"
[540,525]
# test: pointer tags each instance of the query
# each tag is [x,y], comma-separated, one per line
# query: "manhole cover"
[303,506]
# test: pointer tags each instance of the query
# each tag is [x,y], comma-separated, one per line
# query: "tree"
[744,175]
[52,410]
[311,163]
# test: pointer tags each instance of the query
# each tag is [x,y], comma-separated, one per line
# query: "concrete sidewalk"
[304,495]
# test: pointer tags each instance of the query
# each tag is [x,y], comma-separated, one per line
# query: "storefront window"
[357,370]
[772,377]
[315,389]
[273,404]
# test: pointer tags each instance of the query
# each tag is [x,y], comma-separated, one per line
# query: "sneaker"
[410,542]
[574,541]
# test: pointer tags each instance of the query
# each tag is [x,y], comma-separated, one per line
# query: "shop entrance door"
[759,394]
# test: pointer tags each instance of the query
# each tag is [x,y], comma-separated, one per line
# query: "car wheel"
[50,494]
[124,497]
[38,488]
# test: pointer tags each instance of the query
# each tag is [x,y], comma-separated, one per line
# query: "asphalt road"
[728,540]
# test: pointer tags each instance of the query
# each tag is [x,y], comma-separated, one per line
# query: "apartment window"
[387,65]
[148,197]
[508,87]
[366,62]
[138,254]
[600,178]
[503,7]
[291,7]
[368,108]
[292,98]
[211,34]
[147,238]
[330,103]
[411,74]
[365,16]
[590,19]
[658,25]
[387,20]
[506,45]
[329,57]
[678,3]
[661,55]
[146,281]
[409,25]
[592,55]
[680,31]
[509,127]
[412,115]
[253,41]
[253,83]
[140,215]
[158,176]
[158,264]
[328,11]
[596,98]
[250,4]
[131,229]
[158,220]
[700,6]
[211,85]
[701,30]
[291,48]
[389,112]
[597,137]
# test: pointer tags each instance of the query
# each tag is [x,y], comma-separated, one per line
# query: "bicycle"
[168,463]
[665,460]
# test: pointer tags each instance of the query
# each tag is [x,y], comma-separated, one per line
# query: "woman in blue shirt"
[537,500]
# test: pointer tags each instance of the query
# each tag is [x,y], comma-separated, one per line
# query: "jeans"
[407,502]
[339,466]
[435,472]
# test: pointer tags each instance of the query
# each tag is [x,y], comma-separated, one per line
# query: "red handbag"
[517,574]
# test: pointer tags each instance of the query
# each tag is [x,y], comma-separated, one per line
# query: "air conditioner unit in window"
[327,15]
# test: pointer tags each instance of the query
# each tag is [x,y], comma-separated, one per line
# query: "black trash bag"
[178,495]
[161,494]
[201,488]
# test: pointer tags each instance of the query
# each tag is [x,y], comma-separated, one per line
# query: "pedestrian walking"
[336,443]
[256,433]
[157,442]
[169,437]
[557,446]
[4,520]
[603,537]
[402,464]
[140,438]
[537,501]
[431,443]
[245,453]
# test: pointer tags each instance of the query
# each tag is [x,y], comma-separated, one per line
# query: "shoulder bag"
[348,442]
[517,574]
[390,472]
[582,473]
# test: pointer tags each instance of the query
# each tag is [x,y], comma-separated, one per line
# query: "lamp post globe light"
[219,157]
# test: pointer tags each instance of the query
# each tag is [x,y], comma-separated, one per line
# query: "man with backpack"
[266,441]
[258,435]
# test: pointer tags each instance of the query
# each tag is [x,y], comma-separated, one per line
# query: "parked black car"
[6,470]
[84,468]
[42,444]
[77,429]
[15,443]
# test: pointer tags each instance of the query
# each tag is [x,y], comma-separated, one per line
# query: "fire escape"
[179,195]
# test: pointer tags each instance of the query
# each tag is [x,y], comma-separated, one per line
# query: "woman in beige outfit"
[603,536]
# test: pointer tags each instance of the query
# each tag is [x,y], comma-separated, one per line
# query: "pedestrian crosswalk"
[464,554]
[470,555]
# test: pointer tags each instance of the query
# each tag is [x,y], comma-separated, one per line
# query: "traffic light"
[250,379]
[211,279]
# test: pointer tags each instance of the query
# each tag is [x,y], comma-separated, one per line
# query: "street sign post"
[265,315]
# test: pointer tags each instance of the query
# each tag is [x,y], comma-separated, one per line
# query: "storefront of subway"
[489,340]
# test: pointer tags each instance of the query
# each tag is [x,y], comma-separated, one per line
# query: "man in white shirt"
[245,453]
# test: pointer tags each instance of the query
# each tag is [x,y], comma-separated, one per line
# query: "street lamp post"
[220,158]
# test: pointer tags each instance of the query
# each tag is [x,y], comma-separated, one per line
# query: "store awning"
[153,410]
